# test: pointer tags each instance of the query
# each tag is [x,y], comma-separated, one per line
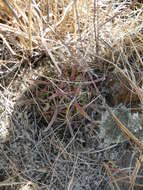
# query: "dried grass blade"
[111,176]
[125,131]
[52,120]
[7,44]
[138,90]
[136,170]
[29,19]
[139,57]
[81,111]
[10,7]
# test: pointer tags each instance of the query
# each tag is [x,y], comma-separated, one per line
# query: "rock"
[112,134]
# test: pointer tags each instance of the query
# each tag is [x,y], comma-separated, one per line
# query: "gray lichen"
[112,134]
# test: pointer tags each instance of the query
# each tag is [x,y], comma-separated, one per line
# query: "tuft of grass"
[57,59]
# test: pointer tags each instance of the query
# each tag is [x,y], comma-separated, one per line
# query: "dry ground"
[71,95]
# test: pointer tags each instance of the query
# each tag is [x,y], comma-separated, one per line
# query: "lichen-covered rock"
[112,134]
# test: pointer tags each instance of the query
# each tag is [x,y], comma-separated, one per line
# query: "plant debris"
[71,94]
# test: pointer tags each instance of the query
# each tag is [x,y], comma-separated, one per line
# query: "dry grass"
[56,63]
